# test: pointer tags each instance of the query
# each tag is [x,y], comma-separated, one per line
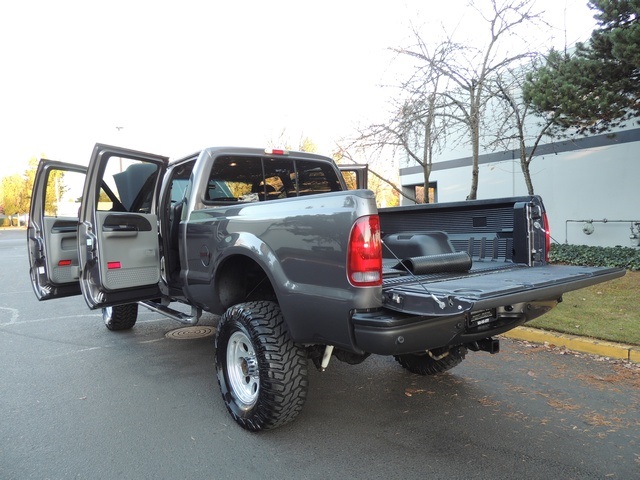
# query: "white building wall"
[595,183]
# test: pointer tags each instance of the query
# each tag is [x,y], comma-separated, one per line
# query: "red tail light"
[364,256]
[547,237]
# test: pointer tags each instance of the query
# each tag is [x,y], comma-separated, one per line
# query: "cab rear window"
[253,178]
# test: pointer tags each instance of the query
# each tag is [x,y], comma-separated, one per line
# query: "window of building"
[433,193]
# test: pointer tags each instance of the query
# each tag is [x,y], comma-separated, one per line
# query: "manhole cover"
[189,333]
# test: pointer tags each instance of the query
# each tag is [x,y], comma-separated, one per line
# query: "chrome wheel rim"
[242,367]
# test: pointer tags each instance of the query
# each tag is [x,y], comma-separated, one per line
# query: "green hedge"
[625,257]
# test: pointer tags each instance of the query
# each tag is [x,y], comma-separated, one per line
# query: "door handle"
[119,230]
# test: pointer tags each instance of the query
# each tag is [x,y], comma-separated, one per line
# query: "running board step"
[173,314]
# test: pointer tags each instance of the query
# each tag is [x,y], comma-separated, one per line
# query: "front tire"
[120,317]
[261,372]
[425,364]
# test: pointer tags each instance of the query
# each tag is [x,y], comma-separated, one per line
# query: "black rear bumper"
[391,333]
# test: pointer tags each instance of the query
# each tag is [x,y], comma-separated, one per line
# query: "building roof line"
[561,146]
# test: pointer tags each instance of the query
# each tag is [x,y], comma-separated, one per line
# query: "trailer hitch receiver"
[491,345]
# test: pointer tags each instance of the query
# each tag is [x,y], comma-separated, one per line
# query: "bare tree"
[407,133]
[304,144]
[416,126]
[469,68]
[516,119]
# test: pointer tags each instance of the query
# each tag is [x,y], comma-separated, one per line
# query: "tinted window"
[251,179]
[314,177]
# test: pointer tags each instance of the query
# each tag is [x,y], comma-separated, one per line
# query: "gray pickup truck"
[298,266]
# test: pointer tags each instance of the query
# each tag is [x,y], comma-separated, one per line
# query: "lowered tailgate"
[432,311]
[480,289]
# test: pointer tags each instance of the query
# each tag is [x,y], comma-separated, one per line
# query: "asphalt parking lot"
[79,401]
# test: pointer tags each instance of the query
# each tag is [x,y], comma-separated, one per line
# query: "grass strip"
[607,311]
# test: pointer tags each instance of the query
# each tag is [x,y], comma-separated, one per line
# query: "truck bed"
[497,236]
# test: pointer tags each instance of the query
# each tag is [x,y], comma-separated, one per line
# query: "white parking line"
[73,352]
[14,319]
[15,313]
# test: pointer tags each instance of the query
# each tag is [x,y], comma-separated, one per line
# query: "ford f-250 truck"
[298,266]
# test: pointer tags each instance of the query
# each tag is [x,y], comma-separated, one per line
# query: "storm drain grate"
[189,333]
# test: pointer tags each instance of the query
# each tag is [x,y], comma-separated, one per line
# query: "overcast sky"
[179,76]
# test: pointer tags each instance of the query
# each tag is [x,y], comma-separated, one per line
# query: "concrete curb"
[603,348]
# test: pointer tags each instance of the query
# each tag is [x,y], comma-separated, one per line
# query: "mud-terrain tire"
[424,364]
[261,372]
[120,317]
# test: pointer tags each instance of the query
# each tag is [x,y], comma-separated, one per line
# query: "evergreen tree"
[597,87]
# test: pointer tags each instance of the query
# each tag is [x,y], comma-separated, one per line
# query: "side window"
[63,193]
[180,179]
[128,185]
[350,179]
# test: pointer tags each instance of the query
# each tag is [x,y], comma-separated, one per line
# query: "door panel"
[53,229]
[118,232]
[129,254]
[62,248]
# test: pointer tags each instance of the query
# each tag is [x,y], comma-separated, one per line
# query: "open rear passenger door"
[52,234]
[118,244]
[355,176]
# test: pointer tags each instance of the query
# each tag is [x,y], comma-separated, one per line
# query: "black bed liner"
[396,276]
